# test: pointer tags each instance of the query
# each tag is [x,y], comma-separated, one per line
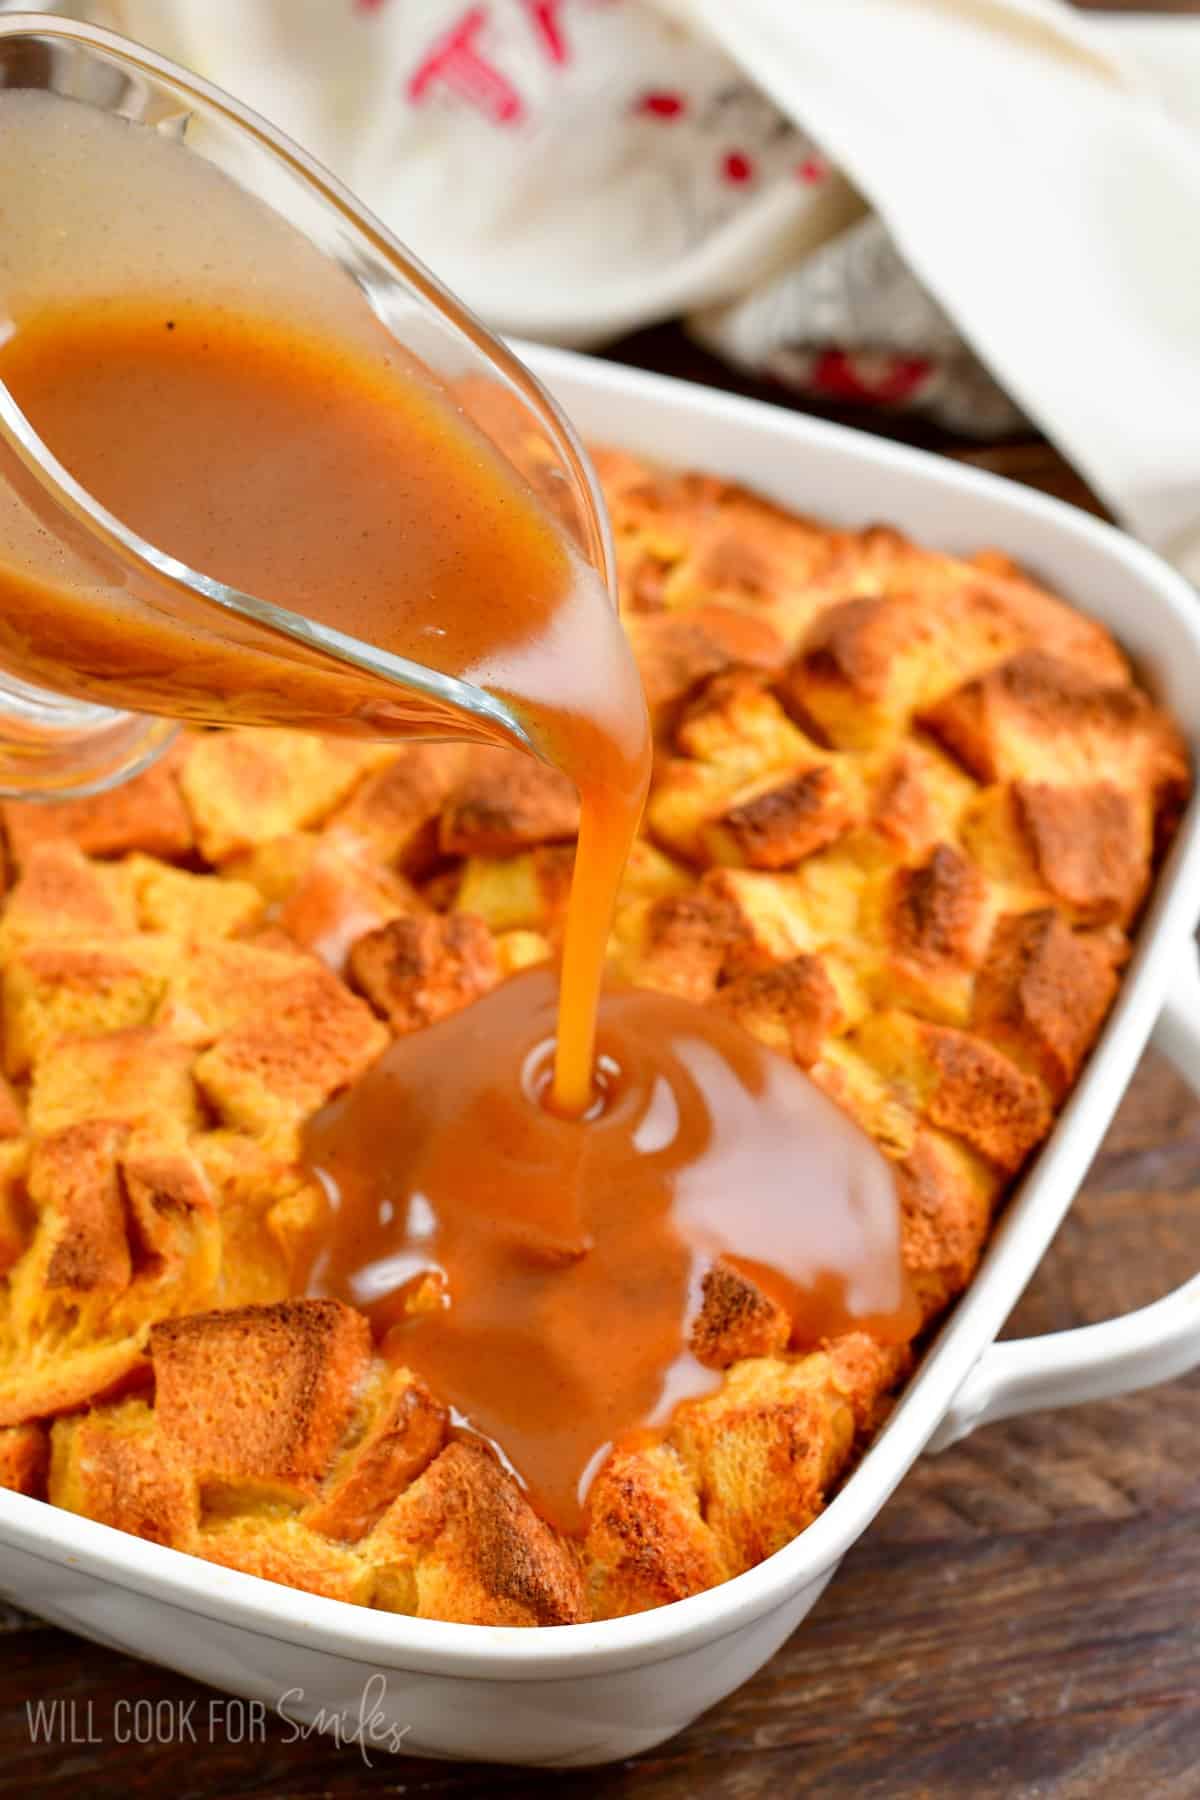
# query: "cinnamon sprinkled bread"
[906,811]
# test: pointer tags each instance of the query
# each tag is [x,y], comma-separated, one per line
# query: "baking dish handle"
[1097,1362]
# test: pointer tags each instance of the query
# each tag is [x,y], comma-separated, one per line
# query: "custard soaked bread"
[905,813]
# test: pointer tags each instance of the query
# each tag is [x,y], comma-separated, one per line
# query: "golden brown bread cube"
[527,892]
[960,1083]
[244,786]
[736,1318]
[395,810]
[61,894]
[340,897]
[138,1076]
[946,1198]
[416,971]
[1037,716]
[55,992]
[676,652]
[507,802]
[647,1542]
[114,1465]
[399,1430]
[463,1543]
[1044,991]
[268,1072]
[762,1451]
[257,1399]
[24,1459]
[190,905]
[284,1549]
[146,813]
[791,1006]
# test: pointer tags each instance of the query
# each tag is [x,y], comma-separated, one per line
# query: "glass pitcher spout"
[203,196]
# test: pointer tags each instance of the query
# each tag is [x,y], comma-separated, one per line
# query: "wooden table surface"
[1023,1620]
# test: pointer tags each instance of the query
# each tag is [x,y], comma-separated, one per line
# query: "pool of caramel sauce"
[545,1272]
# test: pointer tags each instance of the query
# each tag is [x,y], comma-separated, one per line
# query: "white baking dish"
[588,1693]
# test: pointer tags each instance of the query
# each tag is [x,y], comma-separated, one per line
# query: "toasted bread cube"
[57,992]
[268,1072]
[171,1212]
[678,944]
[400,1430]
[139,1076]
[865,1371]
[1038,718]
[675,653]
[81,1243]
[114,1466]
[763,1451]
[647,1542]
[243,787]
[946,1198]
[960,1083]
[395,811]
[339,898]
[51,1375]
[24,1459]
[146,813]
[884,1109]
[863,666]
[171,900]
[416,971]
[507,802]
[60,894]
[1092,846]
[734,722]
[683,537]
[219,983]
[918,798]
[716,813]
[779,820]
[258,1398]
[285,1550]
[269,1214]
[934,922]
[736,1318]
[792,1007]
[773,917]
[463,1543]
[1044,991]
[528,892]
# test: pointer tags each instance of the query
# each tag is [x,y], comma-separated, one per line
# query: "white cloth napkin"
[956,203]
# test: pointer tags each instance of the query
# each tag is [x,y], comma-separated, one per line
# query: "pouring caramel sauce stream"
[528,1224]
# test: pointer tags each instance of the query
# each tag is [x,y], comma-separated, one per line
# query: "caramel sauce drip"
[545,1273]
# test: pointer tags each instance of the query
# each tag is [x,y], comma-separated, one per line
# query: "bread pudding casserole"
[905,813]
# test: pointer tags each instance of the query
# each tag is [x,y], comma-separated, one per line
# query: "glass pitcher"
[73,730]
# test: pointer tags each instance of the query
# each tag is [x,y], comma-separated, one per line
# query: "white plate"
[587,1693]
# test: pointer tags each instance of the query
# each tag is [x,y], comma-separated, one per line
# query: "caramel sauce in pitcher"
[526,1223]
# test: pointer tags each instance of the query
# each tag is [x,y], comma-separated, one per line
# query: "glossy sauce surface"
[567,1256]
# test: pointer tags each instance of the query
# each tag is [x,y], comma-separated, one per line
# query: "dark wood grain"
[1021,1622]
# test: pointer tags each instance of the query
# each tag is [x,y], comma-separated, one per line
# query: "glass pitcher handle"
[53,748]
